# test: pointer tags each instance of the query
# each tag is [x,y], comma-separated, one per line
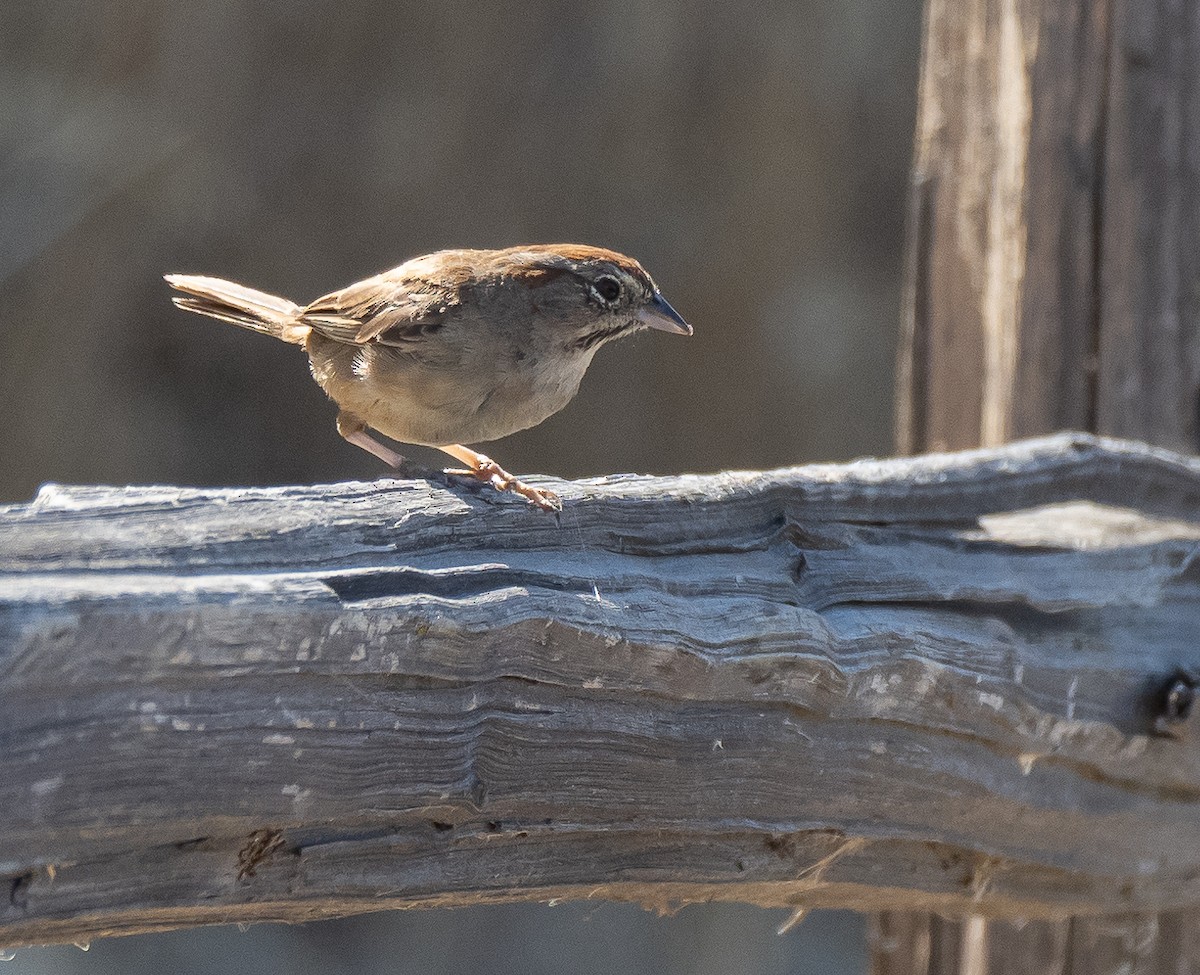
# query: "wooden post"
[910,683]
[1053,282]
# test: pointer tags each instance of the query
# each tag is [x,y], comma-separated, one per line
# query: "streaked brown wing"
[389,309]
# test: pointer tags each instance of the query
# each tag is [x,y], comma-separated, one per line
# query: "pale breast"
[416,402]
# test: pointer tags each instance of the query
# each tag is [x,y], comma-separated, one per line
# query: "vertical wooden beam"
[1149,287]
[1052,281]
[1001,280]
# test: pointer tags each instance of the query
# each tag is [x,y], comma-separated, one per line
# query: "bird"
[455,347]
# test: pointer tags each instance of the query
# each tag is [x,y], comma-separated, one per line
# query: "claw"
[497,477]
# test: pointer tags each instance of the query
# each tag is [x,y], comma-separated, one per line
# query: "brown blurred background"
[753,158]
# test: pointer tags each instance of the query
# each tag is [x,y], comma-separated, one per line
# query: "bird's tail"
[245,307]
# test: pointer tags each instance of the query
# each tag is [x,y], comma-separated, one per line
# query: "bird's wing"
[394,308]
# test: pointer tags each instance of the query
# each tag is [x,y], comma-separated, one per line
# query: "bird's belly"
[415,403]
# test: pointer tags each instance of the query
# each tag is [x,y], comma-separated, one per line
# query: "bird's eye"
[608,288]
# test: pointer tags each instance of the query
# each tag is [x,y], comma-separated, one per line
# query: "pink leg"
[485,469]
[354,431]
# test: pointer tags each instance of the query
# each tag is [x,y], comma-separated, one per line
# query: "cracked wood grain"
[936,682]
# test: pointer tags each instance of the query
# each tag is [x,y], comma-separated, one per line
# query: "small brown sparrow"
[455,347]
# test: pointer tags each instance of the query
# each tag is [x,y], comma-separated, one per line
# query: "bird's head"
[591,295]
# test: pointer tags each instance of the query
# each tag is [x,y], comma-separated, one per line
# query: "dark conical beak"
[659,314]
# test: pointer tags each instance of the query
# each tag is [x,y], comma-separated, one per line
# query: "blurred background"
[753,158]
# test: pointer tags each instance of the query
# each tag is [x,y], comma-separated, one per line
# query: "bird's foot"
[492,474]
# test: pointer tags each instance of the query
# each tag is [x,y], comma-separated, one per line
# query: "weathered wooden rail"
[956,682]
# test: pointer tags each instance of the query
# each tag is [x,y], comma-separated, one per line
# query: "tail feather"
[239,305]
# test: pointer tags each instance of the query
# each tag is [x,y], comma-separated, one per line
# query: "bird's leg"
[483,468]
[354,431]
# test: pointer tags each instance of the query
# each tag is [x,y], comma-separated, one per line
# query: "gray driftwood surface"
[927,683]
